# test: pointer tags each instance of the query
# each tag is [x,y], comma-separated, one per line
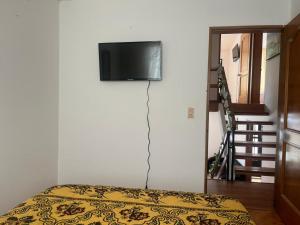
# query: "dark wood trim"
[250,170]
[249,109]
[213,106]
[210,105]
[293,25]
[247,29]
[257,39]
[213,86]
[207,109]
[253,113]
[288,210]
[255,144]
[254,122]
[278,203]
[250,69]
[255,132]
[259,156]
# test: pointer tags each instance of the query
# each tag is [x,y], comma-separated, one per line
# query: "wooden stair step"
[251,122]
[251,170]
[252,113]
[213,85]
[254,132]
[249,109]
[267,157]
[256,144]
[213,106]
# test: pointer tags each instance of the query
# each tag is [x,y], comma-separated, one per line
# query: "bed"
[100,205]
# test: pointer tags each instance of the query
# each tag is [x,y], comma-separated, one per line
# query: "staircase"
[255,141]
[250,139]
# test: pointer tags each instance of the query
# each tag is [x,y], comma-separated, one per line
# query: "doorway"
[244,72]
[235,53]
[241,128]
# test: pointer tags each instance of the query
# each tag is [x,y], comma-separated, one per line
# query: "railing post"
[232,155]
[230,160]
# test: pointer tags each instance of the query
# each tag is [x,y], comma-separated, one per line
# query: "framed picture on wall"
[273,45]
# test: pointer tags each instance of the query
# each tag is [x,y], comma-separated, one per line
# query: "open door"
[287,189]
[244,68]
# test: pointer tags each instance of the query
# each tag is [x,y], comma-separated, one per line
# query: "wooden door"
[244,68]
[287,187]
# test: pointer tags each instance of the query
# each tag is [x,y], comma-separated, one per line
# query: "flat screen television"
[125,61]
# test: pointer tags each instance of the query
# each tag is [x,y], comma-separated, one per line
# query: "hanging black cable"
[149,129]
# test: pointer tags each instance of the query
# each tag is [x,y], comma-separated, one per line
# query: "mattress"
[100,205]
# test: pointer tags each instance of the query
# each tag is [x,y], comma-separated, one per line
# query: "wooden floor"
[256,197]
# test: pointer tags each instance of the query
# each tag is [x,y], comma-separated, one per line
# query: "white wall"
[216,133]
[295,8]
[28,99]
[232,69]
[102,125]
[271,87]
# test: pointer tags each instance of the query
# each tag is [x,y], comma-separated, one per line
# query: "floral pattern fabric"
[101,205]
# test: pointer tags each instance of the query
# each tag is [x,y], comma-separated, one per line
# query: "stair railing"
[216,169]
[227,147]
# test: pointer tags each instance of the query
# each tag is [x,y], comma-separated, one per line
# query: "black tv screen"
[130,61]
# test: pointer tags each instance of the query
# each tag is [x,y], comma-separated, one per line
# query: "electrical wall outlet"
[191,112]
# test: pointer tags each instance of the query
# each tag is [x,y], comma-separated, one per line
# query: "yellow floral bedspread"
[100,205]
